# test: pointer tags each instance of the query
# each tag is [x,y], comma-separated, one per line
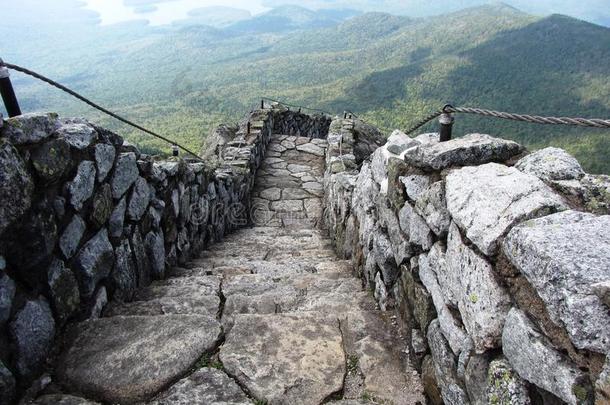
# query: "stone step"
[126,359]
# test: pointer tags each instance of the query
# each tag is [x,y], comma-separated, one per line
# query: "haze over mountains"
[184,78]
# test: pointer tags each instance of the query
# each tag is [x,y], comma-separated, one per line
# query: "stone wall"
[296,123]
[496,260]
[86,218]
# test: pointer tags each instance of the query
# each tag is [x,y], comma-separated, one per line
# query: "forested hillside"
[391,70]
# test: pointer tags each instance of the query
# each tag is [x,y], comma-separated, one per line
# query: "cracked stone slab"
[129,359]
[486,201]
[197,304]
[295,359]
[207,386]
[388,376]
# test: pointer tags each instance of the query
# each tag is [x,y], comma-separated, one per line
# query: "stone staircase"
[270,315]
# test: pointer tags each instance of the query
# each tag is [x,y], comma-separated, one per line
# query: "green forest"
[390,70]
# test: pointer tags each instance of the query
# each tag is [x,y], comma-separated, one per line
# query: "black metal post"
[262,104]
[8,94]
[175,150]
[446,120]
[249,127]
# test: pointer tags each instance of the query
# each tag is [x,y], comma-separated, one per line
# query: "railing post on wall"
[175,150]
[262,104]
[446,121]
[8,94]
[249,127]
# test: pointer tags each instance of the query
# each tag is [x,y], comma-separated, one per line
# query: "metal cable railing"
[94,105]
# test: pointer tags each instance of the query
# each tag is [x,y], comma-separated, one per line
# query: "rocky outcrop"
[454,232]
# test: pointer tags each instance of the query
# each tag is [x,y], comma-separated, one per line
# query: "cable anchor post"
[7,92]
[446,121]
[175,151]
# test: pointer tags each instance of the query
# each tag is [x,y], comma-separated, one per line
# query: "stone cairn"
[498,261]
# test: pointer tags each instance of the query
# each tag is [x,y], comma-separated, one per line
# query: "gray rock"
[381,292]
[7,293]
[563,256]
[452,391]
[64,290]
[398,142]
[384,257]
[79,134]
[473,149]
[32,245]
[124,277]
[292,358]
[452,328]
[94,262]
[58,399]
[51,160]
[312,149]
[117,219]
[551,164]
[141,258]
[125,174]
[16,186]
[475,380]
[482,301]
[81,187]
[415,227]
[104,159]
[2,263]
[379,164]
[32,330]
[432,206]
[533,357]
[155,249]
[99,303]
[602,290]
[71,237]
[7,385]
[139,200]
[415,185]
[29,128]
[205,386]
[169,345]
[102,206]
[602,385]
[59,206]
[486,201]
[427,139]
[505,386]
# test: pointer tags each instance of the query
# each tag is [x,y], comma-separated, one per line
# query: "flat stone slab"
[129,359]
[202,304]
[472,149]
[564,256]
[295,359]
[59,399]
[486,201]
[207,386]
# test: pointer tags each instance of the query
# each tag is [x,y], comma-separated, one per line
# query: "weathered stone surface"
[445,365]
[125,174]
[64,290]
[81,187]
[102,206]
[79,134]
[32,245]
[533,357]
[551,164]
[58,399]
[99,303]
[124,277]
[206,386]
[415,227]
[475,380]
[70,239]
[482,301]
[94,262]
[7,293]
[452,328]
[602,290]
[287,206]
[155,249]
[271,194]
[432,206]
[563,256]
[312,149]
[398,142]
[104,159]
[602,385]
[486,201]
[139,200]
[117,219]
[29,128]
[51,160]
[505,385]
[286,358]
[16,186]
[7,385]
[431,388]
[415,185]
[473,149]
[152,351]
[32,330]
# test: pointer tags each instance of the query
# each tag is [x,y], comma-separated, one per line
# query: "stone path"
[268,316]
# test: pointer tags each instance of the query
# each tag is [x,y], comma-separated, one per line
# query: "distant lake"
[161,13]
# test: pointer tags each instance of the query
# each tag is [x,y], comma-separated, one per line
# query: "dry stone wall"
[85,218]
[497,261]
[296,123]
